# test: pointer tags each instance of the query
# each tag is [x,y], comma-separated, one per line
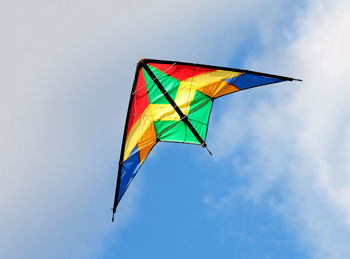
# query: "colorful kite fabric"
[171,101]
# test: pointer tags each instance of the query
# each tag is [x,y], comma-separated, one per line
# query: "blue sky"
[278,183]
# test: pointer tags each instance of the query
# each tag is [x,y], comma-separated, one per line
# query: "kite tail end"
[206,147]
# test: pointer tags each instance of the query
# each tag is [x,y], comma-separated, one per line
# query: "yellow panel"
[146,143]
[137,131]
[202,80]
[164,112]
[184,97]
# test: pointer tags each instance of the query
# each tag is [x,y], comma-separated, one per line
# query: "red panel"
[140,101]
[181,72]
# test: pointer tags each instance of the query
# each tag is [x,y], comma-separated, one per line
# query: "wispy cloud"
[67,68]
[298,138]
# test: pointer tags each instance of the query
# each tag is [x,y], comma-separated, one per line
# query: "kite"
[171,101]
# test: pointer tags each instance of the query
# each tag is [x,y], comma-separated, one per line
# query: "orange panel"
[227,90]
[146,143]
[217,89]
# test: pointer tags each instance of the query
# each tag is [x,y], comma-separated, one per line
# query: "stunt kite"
[171,101]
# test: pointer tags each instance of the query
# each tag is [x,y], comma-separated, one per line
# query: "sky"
[278,183]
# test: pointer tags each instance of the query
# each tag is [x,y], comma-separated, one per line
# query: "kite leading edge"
[171,101]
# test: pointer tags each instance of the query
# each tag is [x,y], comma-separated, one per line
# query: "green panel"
[170,84]
[199,113]
[198,116]
[174,131]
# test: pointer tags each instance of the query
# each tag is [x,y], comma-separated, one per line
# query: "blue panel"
[250,80]
[232,79]
[129,169]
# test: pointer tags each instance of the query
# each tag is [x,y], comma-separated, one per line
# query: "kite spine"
[183,117]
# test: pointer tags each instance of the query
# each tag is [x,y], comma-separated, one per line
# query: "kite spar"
[171,101]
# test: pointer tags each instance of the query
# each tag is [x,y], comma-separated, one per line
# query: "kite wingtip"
[113,212]
[300,80]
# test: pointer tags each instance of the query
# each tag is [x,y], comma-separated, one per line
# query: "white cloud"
[299,136]
[67,67]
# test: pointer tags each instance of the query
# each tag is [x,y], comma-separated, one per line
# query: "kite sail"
[171,101]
